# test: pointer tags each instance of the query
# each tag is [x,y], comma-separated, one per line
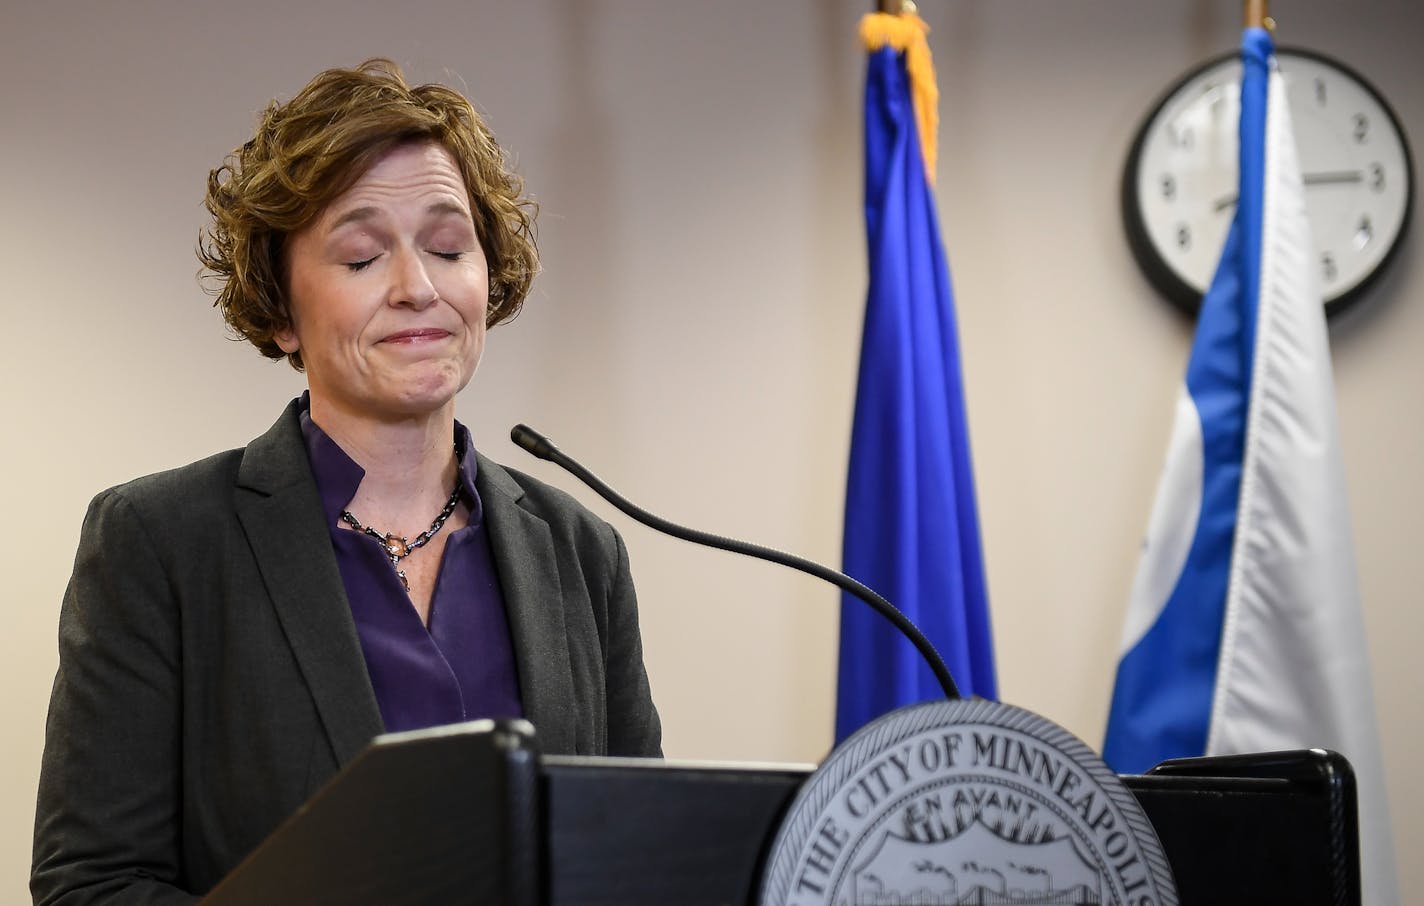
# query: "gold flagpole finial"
[898,25]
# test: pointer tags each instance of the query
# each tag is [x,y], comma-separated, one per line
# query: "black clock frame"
[1162,276]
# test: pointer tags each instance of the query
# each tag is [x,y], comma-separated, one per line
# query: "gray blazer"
[210,677]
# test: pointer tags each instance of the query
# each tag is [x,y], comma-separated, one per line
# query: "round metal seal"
[965,801]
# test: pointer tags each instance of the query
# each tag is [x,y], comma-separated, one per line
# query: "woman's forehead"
[416,176]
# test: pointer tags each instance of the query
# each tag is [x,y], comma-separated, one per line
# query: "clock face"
[1179,191]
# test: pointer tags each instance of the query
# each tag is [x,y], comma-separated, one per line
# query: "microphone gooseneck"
[540,446]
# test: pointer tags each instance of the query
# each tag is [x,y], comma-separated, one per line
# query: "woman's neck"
[410,463]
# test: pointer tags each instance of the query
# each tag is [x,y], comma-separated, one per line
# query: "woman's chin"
[431,384]
[425,400]
[393,403]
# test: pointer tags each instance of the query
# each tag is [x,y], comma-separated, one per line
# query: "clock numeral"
[1184,237]
[1213,91]
[1169,187]
[1377,177]
[1320,92]
[1364,232]
[1327,267]
[1362,127]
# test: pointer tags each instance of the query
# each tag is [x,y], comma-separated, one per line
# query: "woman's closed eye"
[358,266]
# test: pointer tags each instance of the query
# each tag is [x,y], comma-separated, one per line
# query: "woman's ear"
[286,340]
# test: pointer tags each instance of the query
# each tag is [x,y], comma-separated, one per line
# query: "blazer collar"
[528,566]
[281,513]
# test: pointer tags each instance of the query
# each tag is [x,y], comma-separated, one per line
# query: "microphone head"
[533,441]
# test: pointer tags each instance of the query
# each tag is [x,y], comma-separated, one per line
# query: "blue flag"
[1244,631]
[1166,680]
[911,524]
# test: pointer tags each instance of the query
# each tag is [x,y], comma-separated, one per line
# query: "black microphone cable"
[540,446]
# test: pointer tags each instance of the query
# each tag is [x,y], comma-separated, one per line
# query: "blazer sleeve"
[107,823]
[634,728]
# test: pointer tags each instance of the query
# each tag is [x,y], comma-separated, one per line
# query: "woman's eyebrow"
[355,215]
[448,207]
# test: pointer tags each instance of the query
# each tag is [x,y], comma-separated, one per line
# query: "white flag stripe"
[1172,525]
[1294,670]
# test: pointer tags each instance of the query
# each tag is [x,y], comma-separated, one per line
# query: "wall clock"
[1179,185]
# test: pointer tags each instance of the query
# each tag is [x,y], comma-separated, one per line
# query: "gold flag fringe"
[906,33]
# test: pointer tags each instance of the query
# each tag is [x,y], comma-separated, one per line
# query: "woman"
[237,629]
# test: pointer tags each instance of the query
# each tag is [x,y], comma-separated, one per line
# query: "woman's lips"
[417,335]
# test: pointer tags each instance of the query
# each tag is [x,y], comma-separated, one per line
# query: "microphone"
[542,447]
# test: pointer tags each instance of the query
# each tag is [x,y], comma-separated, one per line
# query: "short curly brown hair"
[316,146]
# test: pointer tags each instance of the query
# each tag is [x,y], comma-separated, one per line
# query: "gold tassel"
[906,33]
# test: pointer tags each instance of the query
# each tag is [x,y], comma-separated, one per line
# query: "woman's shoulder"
[269,461]
[560,509]
[531,492]
[183,487]
[188,509]
[172,509]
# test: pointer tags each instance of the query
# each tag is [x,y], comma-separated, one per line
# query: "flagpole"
[1257,16]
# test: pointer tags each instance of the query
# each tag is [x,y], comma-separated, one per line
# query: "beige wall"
[695,333]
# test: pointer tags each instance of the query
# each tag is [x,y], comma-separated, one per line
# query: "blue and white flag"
[1244,631]
[911,524]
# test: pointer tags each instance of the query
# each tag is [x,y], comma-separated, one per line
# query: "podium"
[472,814]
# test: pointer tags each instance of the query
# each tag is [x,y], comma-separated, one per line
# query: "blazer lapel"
[525,559]
[280,511]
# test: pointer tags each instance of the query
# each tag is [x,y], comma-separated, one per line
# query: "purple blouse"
[460,667]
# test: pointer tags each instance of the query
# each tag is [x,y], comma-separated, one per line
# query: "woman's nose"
[412,284]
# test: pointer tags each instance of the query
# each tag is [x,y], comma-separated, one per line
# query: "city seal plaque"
[965,801]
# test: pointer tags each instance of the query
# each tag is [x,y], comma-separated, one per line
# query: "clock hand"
[1315,179]
[1309,179]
